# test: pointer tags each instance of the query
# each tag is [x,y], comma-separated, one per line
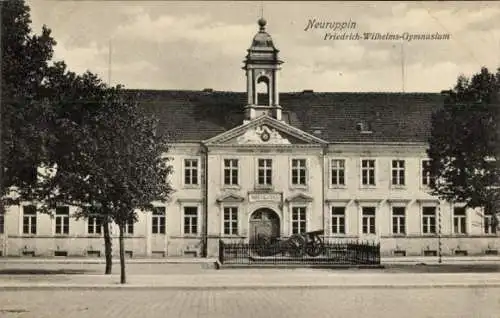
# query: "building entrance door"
[264,223]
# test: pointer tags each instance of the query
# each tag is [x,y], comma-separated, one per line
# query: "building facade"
[351,164]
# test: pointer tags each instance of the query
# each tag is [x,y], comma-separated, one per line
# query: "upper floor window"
[265,171]
[158,218]
[62,220]
[231,221]
[459,220]
[29,219]
[338,172]
[230,171]
[427,179]
[368,172]
[338,220]
[429,220]
[489,225]
[398,172]
[298,220]
[299,171]
[191,171]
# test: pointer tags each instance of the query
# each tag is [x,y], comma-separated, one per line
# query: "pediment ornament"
[262,135]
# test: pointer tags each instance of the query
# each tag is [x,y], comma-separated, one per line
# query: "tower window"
[262,94]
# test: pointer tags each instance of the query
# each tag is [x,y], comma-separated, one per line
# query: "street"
[254,303]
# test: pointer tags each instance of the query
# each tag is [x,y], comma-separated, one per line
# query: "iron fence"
[283,251]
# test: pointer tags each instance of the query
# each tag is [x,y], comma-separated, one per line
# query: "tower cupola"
[262,65]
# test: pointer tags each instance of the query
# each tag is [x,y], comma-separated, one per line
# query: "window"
[2,222]
[338,172]
[191,171]
[29,219]
[398,220]
[429,220]
[299,171]
[158,220]
[265,171]
[368,172]
[62,220]
[129,227]
[338,220]
[230,171]
[190,220]
[459,220]
[298,220]
[398,172]
[231,221]
[427,179]
[94,225]
[368,220]
[489,226]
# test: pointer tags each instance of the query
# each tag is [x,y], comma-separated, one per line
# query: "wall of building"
[353,196]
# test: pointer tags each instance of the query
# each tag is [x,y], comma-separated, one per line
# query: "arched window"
[262,90]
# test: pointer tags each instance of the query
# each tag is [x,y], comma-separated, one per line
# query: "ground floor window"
[29,219]
[190,220]
[429,220]
[129,227]
[459,221]
[298,220]
[158,220]
[368,220]
[338,220]
[489,226]
[94,225]
[2,222]
[62,220]
[230,221]
[398,220]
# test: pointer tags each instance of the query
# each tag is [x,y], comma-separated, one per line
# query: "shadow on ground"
[36,271]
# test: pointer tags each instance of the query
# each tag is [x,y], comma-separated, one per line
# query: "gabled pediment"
[264,130]
[230,198]
[299,198]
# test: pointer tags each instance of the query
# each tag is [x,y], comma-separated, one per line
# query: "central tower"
[262,65]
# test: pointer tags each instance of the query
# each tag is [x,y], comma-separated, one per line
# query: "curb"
[241,287]
[297,266]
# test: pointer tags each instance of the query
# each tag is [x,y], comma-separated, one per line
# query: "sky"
[194,45]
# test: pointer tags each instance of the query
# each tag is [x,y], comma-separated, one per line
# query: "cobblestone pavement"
[254,303]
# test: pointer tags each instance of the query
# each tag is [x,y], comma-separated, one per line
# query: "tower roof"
[262,40]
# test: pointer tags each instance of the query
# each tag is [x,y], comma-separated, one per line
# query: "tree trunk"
[122,256]
[107,247]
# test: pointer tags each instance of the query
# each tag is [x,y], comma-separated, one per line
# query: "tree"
[24,62]
[136,163]
[108,159]
[74,102]
[465,144]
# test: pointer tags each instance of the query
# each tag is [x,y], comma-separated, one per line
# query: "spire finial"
[262,22]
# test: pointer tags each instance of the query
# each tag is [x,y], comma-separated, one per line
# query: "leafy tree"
[109,161]
[75,100]
[465,144]
[24,61]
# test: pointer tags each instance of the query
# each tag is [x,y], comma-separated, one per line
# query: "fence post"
[221,252]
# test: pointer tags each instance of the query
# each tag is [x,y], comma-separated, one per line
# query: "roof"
[193,116]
